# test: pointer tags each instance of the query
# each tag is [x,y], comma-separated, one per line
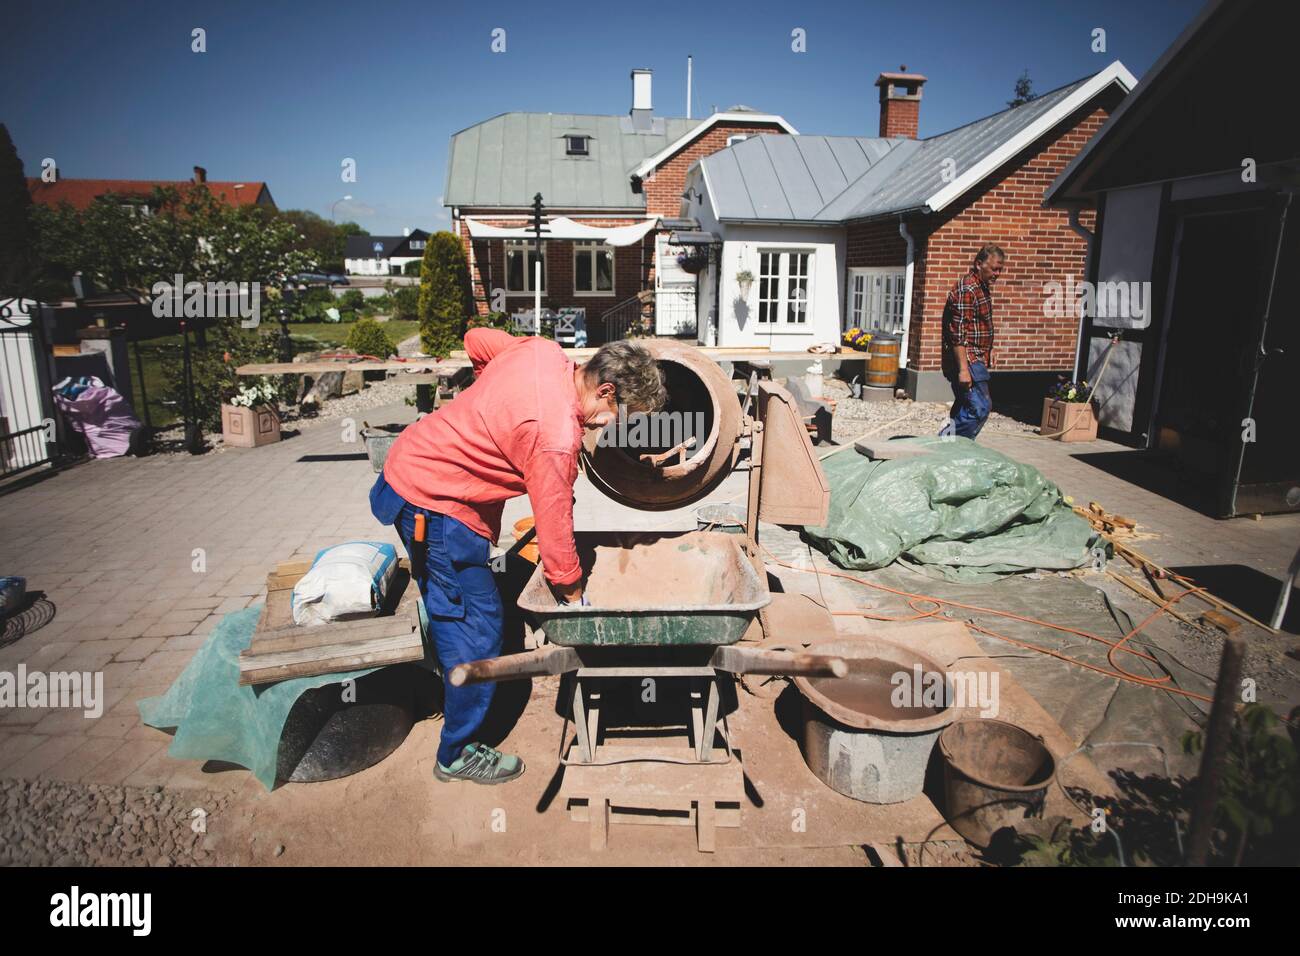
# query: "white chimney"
[641,90]
[642,110]
[406,231]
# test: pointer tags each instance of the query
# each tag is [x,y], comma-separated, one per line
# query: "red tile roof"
[80,193]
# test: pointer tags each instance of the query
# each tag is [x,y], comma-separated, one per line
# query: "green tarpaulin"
[959,511]
[216,718]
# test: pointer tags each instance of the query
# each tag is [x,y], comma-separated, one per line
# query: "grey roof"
[363,247]
[506,160]
[840,178]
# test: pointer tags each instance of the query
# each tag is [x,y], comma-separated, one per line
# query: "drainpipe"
[1090,238]
[907,291]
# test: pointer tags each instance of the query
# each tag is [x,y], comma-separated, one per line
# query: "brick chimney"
[200,174]
[900,103]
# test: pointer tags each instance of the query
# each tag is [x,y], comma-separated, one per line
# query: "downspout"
[1090,239]
[907,291]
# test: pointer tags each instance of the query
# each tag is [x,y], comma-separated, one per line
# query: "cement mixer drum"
[701,403]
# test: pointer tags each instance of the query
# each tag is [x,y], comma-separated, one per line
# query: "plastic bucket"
[530,551]
[994,775]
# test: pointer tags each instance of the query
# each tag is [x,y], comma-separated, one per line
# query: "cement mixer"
[678,606]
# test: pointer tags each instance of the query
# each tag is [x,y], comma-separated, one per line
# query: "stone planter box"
[1077,421]
[249,427]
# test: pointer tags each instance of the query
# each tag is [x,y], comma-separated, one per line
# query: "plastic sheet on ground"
[960,511]
[218,719]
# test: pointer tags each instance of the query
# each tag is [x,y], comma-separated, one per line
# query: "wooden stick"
[1153,598]
[1226,693]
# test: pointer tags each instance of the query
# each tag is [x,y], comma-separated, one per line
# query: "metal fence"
[28,433]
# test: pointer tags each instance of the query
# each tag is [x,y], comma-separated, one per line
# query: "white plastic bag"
[347,580]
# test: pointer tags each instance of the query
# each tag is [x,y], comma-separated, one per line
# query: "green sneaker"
[480,763]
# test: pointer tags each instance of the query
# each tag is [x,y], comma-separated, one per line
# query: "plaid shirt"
[968,322]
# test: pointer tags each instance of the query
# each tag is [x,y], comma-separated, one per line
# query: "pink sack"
[102,416]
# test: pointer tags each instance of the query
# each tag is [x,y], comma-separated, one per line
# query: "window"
[417,245]
[521,257]
[576,145]
[593,267]
[737,138]
[784,286]
[876,299]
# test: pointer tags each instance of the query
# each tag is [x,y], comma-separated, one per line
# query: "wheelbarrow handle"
[756,660]
[550,659]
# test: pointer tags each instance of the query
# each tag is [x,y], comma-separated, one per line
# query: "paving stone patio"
[142,557]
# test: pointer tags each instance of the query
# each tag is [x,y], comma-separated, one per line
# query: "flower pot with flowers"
[1068,414]
[857,339]
[250,418]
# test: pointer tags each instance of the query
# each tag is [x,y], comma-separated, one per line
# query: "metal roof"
[826,179]
[506,160]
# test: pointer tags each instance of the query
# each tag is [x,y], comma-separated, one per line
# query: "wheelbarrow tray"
[653,589]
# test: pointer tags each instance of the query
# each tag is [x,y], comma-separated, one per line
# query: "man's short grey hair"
[634,373]
[987,250]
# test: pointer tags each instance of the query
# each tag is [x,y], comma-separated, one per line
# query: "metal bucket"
[378,442]
[994,775]
[875,752]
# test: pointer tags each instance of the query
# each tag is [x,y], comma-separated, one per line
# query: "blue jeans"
[461,598]
[971,404]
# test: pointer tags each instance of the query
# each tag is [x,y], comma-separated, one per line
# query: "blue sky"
[286,91]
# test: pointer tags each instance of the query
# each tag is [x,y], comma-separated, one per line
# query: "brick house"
[837,232]
[606,182]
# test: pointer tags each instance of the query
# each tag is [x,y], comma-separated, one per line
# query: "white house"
[383,255]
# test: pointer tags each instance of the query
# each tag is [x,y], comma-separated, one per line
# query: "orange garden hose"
[1159,683]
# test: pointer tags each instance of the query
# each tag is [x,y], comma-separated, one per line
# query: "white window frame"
[784,304]
[417,244]
[882,297]
[593,248]
[526,246]
[568,144]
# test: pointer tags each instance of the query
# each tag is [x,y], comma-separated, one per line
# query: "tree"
[446,299]
[1024,91]
[320,238]
[15,226]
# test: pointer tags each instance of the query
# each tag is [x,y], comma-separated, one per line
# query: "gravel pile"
[50,823]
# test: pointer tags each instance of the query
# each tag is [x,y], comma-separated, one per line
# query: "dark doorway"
[1211,350]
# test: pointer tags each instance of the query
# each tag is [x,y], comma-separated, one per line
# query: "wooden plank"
[1153,598]
[268,668]
[1221,621]
[296,637]
[316,368]
[627,784]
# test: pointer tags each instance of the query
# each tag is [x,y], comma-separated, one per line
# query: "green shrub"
[367,337]
[412,268]
[352,300]
[406,302]
[445,295]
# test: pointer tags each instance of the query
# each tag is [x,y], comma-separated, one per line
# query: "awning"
[561,227]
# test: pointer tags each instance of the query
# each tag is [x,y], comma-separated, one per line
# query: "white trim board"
[646,165]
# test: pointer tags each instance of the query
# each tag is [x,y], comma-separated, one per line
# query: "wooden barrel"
[882,361]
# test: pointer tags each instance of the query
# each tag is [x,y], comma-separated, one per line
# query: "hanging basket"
[693,264]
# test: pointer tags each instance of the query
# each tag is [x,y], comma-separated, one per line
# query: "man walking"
[968,343]
[518,429]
